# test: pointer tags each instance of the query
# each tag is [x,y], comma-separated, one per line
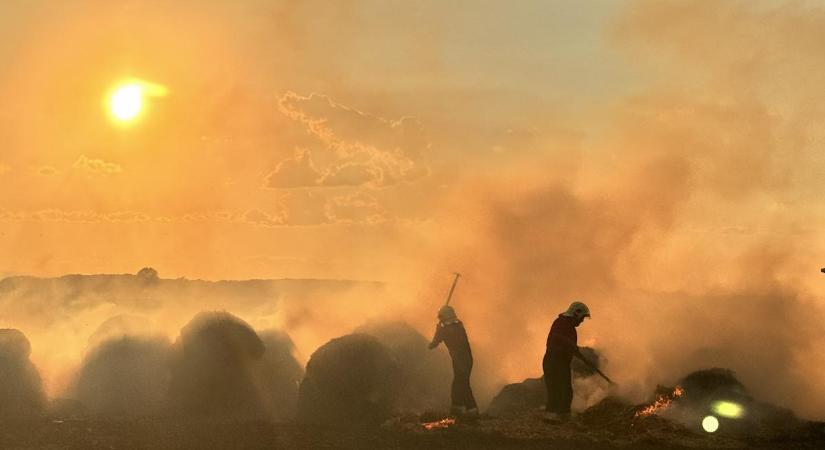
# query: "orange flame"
[662,402]
[443,423]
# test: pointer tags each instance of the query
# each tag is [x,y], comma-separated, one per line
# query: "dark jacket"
[455,337]
[562,340]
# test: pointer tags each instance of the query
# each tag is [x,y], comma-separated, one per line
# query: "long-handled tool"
[596,369]
[452,289]
[585,360]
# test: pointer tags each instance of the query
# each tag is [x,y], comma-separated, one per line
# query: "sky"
[229,176]
[660,159]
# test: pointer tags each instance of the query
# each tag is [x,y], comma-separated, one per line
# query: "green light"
[728,409]
[710,424]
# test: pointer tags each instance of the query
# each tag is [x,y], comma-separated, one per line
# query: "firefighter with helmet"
[451,331]
[561,348]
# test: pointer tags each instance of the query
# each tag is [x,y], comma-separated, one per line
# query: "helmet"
[447,313]
[578,310]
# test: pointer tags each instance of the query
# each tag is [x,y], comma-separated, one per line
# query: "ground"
[524,431]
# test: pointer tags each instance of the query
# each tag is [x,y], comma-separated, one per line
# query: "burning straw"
[443,423]
[663,401]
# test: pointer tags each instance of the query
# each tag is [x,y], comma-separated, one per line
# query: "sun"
[127,102]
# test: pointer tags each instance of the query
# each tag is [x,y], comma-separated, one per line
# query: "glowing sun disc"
[127,102]
[130,99]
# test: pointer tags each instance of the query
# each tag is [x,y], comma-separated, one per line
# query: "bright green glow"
[728,409]
[710,424]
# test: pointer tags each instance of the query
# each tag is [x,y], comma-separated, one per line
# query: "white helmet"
[578,310]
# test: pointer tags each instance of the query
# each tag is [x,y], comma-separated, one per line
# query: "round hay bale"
[425,376]
[125,376]
[215,363]
[21,389]
[280,375]
[350,379]
[519,397]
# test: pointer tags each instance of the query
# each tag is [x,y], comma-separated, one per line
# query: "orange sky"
[286,127]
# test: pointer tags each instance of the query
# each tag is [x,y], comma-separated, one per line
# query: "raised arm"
[437,338]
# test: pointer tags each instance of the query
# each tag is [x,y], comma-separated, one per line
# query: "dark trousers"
[559,385]
[462,393]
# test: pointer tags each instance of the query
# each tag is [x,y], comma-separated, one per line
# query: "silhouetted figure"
[561,348]
[451,331]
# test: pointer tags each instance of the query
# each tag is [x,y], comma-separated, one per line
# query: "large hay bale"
[518,397]
[425,376]
[125,376]
[711,383]
[532,394]
[215,367]
[21,389]
[704,389]
[350,379]
[280,375]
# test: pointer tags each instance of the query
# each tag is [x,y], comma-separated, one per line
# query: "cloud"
[295,172]
[367,150]
[356,208]
[96,166]
[258,217]
[57,215]
[47,171]
[351,174]
[252,216]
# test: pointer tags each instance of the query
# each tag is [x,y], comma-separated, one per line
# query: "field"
[525,431]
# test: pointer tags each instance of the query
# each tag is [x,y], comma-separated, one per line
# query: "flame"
[662,402]
[443,423]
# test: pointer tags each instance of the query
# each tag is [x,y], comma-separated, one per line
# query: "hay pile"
[220,367]
[125,376]
[352,379]
[425,376]
[531,393]
[21,389]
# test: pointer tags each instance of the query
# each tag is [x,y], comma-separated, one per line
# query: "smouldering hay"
[531,393]
[351,379]
[704,392]
[280,375]
[21,389]
[125,376]
[214,367]
[519,397]
[424,375]
[221,368]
